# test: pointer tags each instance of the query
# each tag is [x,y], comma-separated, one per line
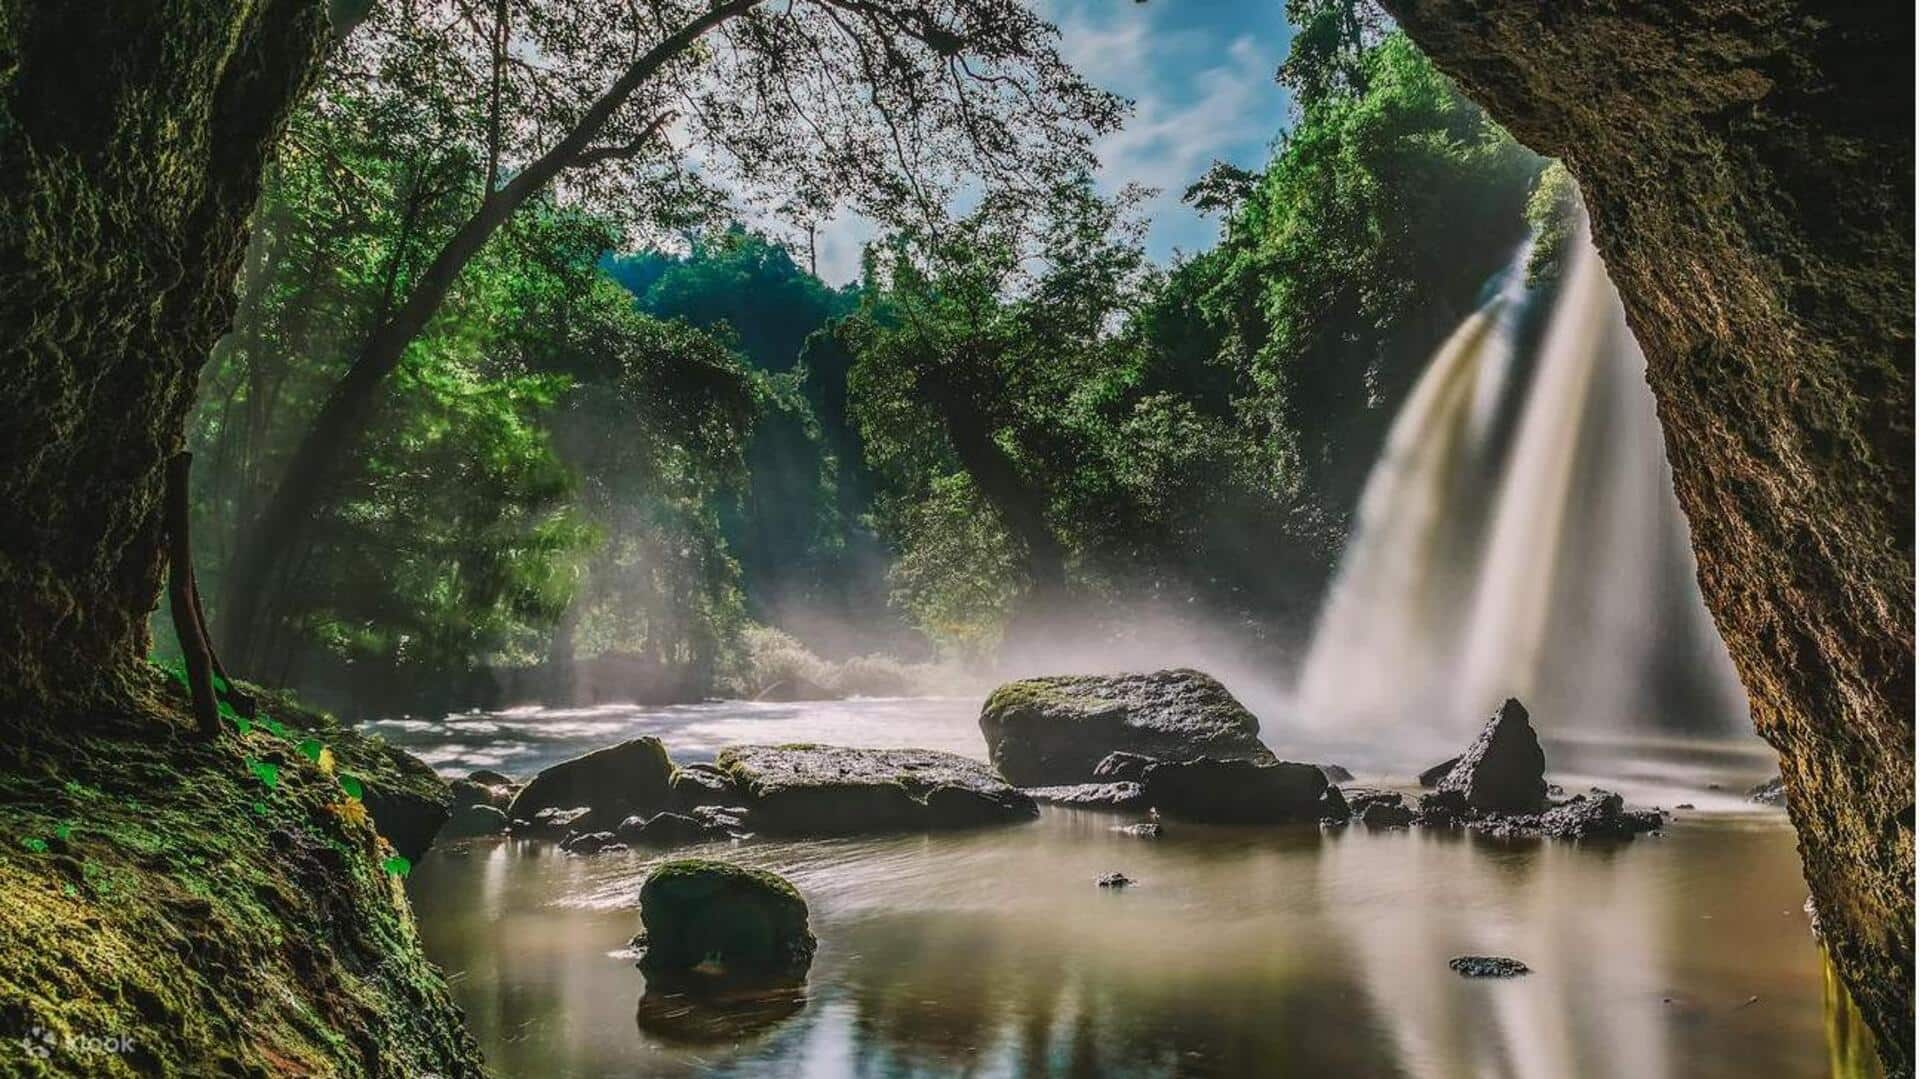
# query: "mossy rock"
[1055,731]
[723,919]
[222,903]
[837,790]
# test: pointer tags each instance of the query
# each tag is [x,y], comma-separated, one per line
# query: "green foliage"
[1554,211]
[1383,212]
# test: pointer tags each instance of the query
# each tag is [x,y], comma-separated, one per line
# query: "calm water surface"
[1286,951]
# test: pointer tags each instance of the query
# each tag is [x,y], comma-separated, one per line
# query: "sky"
[1200,74]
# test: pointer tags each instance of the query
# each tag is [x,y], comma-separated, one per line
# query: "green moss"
[221,926]
[732,919]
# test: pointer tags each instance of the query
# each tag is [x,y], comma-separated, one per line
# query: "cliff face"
[1748,168]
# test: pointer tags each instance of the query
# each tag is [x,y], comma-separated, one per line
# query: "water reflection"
[1239,952]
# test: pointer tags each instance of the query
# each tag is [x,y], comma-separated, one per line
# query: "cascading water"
[1519,537]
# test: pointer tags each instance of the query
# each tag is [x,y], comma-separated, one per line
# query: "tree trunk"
[1020,508]
[1748,169]
[133,134]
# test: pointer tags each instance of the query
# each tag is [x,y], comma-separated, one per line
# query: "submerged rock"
[1488,966]
[1432,776]
[592,843]
[1115,796]
[1505,769]
[1236,791]
[684,1009]
[1055,731]
[616,782]
[1113,880]
[667,830]
[835,790]
[1396,814]
[1142,830]
[1335,773]
[552,823]
[1771,793]
[1600,815]
[470,792]
[723,919]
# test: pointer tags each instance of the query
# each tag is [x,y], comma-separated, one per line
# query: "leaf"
[352,786]
[311,749]
[352,812]
[63,831]
[398,865]
[267,772]
[325,760]
[278,728]
[240,724]
[220,684]
[260,808]
[35,844]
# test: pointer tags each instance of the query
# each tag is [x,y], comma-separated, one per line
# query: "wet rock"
[701,784]
[1142,830]
[666,830]
[1487,966]
[1236,791]
[1056,731]
[592,843]
[487,777]
[1123,767]
[1432,776]
[1387,815]
[723,919]
[1114,880]
[616,782]
[1441,809]
[466,792]
[1504,770]
[1335,773]
[1683,805]
[1601,815]
[835,790]
[1771,793]
[406,818]
[729,821]
[551,823]
[1122,797]
[1333,806]
[473,820]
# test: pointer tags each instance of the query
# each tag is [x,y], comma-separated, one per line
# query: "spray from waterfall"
[1519,537]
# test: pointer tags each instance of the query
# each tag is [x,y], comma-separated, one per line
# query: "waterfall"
[1519,536]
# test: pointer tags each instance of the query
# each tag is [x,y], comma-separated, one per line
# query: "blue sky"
[1200,74]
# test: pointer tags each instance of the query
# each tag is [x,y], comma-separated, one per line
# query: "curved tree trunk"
[133,134]
[1748,169]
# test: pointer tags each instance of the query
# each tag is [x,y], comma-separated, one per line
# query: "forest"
[638,441]
[984,537]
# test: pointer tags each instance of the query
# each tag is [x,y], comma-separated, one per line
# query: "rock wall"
[1748,168]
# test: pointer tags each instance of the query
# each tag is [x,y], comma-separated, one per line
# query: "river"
[1268,951]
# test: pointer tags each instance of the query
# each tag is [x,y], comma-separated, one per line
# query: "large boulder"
[835,790]
[615,782]
[1237,791]
[1054,731]
[1504,771]
[723,919]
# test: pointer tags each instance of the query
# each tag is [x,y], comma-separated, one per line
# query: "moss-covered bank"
[172,907]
